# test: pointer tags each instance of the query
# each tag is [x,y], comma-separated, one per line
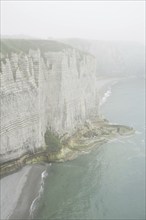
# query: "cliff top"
[23,45]
[8,46]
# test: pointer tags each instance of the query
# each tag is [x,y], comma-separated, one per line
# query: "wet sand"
[18,191]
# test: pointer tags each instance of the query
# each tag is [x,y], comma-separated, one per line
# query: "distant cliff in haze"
[113,58]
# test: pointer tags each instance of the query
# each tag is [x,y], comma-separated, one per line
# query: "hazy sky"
[101,20]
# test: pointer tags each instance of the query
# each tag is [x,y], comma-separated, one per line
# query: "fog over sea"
[109,182]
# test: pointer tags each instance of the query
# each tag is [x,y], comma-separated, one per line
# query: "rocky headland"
[50,96]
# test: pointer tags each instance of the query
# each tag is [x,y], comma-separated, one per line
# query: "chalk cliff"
[43,87]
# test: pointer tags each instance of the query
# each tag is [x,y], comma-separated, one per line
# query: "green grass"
[20,45]
[52,141]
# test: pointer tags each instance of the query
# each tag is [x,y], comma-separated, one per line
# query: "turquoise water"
[109,182]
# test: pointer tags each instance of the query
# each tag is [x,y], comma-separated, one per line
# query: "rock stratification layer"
[44,86]
[49,104]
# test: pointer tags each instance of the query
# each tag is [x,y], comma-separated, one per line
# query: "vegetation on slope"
[52,141]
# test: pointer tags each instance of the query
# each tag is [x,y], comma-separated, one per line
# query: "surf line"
[35,202]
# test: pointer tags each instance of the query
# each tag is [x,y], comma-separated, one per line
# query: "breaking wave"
[105,96]
[35,202]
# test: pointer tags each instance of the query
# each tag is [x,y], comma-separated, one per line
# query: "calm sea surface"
[109,182]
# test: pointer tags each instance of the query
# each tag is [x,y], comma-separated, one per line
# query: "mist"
[107,20]
[72,109]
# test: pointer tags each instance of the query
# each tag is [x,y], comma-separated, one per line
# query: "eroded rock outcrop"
[43,90]
[49,103]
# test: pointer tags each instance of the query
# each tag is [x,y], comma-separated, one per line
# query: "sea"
[108,182]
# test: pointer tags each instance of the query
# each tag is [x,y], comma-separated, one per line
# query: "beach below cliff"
[19,190]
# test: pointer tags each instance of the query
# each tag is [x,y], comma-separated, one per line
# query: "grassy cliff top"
[7,46]
[22,45]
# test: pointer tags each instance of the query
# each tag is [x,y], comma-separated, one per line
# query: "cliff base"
[59,149]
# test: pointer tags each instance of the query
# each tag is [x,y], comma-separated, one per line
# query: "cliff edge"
[48,96]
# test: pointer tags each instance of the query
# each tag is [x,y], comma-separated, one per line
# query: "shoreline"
[105,90]
[10,167]
[16,203]
[19,190]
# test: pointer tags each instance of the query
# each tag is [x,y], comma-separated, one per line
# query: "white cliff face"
[44,90]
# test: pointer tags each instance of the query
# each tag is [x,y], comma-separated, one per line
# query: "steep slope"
[45,85]
[49,104]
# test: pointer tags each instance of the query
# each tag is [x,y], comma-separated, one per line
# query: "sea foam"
[105,96]
[35,202]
